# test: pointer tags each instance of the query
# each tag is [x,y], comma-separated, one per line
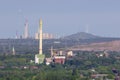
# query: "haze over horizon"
[61,17]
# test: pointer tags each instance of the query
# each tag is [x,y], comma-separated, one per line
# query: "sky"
[60,17]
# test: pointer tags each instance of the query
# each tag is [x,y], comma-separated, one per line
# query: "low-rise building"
[59,59]
[48,61]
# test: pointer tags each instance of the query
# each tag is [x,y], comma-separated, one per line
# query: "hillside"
[110,46]
[81,35]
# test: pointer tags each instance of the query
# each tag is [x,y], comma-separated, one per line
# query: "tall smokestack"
[13,51]
[40,37]
[87,29]
[16,35]
[26,30]
[39,58]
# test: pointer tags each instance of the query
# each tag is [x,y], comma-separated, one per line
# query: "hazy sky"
[62,17]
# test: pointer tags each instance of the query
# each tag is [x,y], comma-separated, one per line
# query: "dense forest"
[79,67]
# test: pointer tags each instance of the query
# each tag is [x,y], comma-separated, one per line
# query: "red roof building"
[59,59]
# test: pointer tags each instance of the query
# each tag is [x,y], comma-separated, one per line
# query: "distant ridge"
[81,35]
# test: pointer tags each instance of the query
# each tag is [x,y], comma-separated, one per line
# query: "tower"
[87,29]
[13,51]
[40,37]
[39,58]
[26,30]
[16,37]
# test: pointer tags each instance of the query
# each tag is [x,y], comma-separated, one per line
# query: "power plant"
[26,35]
[44,36]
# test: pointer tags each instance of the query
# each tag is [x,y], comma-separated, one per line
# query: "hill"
[81,35]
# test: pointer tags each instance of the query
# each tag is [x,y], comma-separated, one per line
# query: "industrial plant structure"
[26,32]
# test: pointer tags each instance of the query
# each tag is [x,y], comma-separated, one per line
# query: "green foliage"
[18,67]
[110,76]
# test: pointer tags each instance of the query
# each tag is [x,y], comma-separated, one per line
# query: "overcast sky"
[61,17]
